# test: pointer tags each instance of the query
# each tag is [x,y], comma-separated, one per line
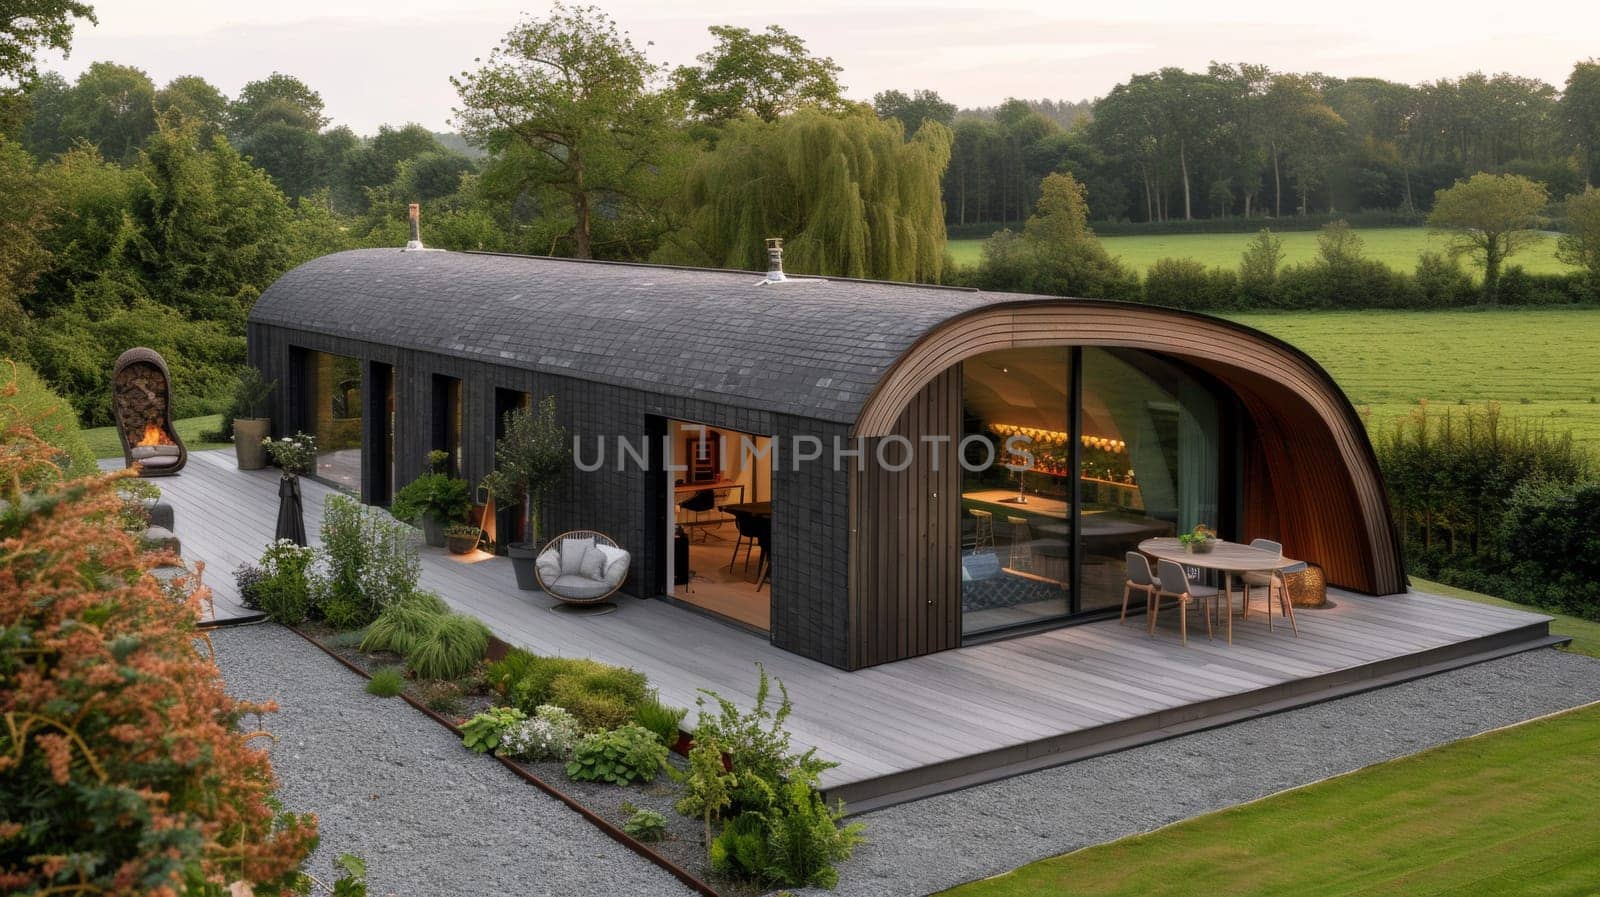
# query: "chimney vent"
[414,213]
[775,260]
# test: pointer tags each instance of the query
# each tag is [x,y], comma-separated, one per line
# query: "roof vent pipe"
[775,260]
[414,213]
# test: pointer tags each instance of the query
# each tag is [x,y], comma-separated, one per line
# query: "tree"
[1580,245]
[1057,252]
[529,459]
[849,195]
[565,104]
[1258,266]
[378,161]
[1580,116]
[767,74]
[29,26]
[913,110]
[1489,217]
[194,99]
[43,130]
[113,107]
[24,216]
[276,98]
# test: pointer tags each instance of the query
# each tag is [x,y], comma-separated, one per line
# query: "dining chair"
[1272,581]
[1139,578]
[745,523]
[1174,583]
[698,504]
[1021,544]
[763,540]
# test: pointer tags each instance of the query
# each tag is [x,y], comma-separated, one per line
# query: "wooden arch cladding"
[1309,475]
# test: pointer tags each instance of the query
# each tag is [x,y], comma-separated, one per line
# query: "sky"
[389,61]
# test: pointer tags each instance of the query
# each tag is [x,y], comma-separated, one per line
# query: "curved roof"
[811,347]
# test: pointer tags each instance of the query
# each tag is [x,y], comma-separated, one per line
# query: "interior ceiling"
[1021,387]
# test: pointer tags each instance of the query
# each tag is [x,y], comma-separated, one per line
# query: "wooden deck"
[937,722]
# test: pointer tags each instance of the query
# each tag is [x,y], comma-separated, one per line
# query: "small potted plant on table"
[436,500]
[1199,540]
[528,460]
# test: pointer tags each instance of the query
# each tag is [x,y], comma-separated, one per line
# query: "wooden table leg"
[1227,602]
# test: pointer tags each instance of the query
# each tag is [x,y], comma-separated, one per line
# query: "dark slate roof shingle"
[810,347]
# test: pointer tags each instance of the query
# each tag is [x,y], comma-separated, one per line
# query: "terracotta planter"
[523,555]
[247,435]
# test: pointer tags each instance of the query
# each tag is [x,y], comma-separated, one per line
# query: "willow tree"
[849,195]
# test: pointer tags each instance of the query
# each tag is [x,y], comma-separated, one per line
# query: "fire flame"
[153,435]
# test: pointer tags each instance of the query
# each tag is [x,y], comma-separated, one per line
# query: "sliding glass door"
[1071,457]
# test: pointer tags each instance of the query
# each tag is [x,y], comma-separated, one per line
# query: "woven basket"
[1308,587]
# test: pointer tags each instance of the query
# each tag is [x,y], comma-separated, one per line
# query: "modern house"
[918,467]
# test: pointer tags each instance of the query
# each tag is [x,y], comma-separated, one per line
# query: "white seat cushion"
[549,564]
[593,565]
[616,563]
[580,587]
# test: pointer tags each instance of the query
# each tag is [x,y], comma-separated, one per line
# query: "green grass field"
[104,443]
[1585,634]
[1396,247]
[1502,813]
[1540,364]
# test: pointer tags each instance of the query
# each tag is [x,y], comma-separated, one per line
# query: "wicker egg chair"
[570,588]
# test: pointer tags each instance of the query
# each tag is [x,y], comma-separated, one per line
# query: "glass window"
[1016,490]
[1150,462]
[335,394]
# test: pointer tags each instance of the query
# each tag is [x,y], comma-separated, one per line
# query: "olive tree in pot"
[434,500]
[251,426]
[528,460]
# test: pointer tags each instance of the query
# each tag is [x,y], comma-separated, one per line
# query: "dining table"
[1227,558]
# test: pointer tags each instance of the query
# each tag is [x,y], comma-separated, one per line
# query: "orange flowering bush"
[122,767]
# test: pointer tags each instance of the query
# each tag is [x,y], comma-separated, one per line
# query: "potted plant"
[296,456]
[252,425]
[1199,540]
[435,500]
[462,538]
[528,460]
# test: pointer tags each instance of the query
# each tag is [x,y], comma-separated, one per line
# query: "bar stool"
[983,534]
[1021,544]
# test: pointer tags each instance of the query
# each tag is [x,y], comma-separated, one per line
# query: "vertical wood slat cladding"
[905,549]
[1316,466]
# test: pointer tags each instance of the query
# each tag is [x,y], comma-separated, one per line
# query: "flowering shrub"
[296,455]
[247,579]
[371,562]
[551,734]
[284,591]
[122,767]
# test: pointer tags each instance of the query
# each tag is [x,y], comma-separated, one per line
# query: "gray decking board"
[891,720]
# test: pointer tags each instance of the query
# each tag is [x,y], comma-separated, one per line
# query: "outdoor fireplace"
[141,406]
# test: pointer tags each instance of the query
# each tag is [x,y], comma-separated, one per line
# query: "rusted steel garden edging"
[616,834]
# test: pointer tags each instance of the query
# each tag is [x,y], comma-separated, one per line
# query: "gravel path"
[392,786]
[943,841]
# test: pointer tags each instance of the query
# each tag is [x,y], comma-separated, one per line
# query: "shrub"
[448,646]
[403,622]
[740,849]
[125,767]
[1550,536]
[1439,282]
[551,734]
[1186,283]
[600,696]
[707,786]
[483,733]
[247,579]
[533,678]
[646,825]
[443,697]
[509,670]
[436,496]
[805,839]
[620,756]
[30,402]
[387,682]
[665,721]
[371,559]
[1258,268]
[757,743]
[284,593]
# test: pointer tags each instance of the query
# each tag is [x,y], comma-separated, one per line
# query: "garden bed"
[682,848]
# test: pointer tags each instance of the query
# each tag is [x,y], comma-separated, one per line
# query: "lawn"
[1504,813]
[1396,247]
[104,443]
[1540,364]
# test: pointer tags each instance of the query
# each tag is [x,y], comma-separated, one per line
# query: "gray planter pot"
[432,532]
[523,555]
[247,435]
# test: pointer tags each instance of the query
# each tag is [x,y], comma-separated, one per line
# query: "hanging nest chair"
[141,408]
